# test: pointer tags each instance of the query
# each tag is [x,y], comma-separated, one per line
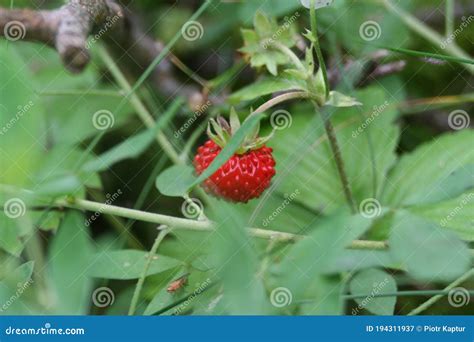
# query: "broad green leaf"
[428,252]
[304,160]
[308,257]
[133,146]
[176,180]
[14,288]
[453,185]
[456,214]
[69,258]
[351,260]
[59,185]
[127,264]
[373,282]
[430,164]
[264,87]
[325,298]
[21,120]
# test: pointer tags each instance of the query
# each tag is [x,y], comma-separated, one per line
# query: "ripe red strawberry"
[246,174]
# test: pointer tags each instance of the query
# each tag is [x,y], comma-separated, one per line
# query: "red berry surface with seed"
[243,177]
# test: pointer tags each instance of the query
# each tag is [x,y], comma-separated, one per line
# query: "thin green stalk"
[287,51]
[75,92]
[429,34]
[449,17]
[336,152]
[448,288]
[317,47]
[141,280]
[135,101]
[204,226]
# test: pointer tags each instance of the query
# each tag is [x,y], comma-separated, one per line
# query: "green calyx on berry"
[221,131]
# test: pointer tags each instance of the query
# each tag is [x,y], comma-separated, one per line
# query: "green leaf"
[127,264]
[13,290]
[323,246]
[59,185]
[325,296]
[373,282]
[456,183]
[428,166]
[337,99]
[456,215]
[69,258]
[264,87]
[175,181]
[428,252]
[133,146]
